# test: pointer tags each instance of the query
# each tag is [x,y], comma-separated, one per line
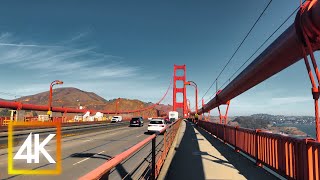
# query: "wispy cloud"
[80,67]
[290,100]
[282,104]
[25,45]
[86,63]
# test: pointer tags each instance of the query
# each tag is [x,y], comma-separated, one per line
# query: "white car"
[116,119]
[156,125]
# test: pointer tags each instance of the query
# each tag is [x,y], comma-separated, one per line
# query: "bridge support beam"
[301,39]
[282,53]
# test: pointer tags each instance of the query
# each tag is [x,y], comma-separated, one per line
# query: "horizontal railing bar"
[290,157]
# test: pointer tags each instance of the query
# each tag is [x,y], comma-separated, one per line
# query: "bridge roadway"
[83,153]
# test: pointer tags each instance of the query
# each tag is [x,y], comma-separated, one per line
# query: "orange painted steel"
[305,29]
[297,42]
[223,118]
[168,140]
[102,172]
[107,166]
[193,84]
[50,92]
[293,158]
[4,121]
[177,90]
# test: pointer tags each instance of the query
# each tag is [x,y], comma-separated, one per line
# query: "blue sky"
[128,48]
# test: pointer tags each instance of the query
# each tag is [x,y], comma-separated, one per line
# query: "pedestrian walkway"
[201,156]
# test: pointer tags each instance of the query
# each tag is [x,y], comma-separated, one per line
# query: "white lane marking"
[81,161]
[87,140]
[100,152]
[140,135]
[86,159]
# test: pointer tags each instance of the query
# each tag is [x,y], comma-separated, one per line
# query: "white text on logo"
[38,147]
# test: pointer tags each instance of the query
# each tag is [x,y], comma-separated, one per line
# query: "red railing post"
[165,141]
[236,149]
[224,134]
[257,149]
[153,162]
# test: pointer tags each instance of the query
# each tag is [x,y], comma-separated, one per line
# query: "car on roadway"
[116,119]
[136,121]
[156,125]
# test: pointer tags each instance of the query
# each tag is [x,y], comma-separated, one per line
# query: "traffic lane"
[77,146]
[78,142]
[66,138]
[73,147]
[91,159]
[20,136]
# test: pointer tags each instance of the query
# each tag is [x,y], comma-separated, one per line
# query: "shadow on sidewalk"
[186,165]
[245,167]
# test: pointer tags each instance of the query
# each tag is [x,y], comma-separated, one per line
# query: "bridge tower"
[178,90]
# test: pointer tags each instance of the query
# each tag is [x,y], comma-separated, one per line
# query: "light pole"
[50,95]
[188,106]
[191,83]
[117,105]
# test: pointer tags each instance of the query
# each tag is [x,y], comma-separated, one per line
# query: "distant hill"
[283,119]
[251,122]
[73,97]
[70,97]
[264,122]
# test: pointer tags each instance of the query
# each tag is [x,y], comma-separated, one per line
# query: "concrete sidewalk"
[200,156]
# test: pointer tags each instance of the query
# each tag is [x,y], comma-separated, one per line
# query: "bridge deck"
[200,156]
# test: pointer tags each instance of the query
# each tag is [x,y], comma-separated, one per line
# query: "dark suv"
[136,121]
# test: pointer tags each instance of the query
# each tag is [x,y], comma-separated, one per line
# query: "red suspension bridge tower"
[178,90]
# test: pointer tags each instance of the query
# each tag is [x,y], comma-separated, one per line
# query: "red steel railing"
[290,157]
[3,120]
[157,160]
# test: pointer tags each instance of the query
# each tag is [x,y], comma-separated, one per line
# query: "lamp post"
[50,95]
[188,106]
[191,83]
[117,105]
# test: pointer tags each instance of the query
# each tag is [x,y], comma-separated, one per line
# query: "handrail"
[107,166]
[103,170]
[290,157]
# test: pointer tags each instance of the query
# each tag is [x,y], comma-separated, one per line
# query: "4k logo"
[33,147]
[38,147]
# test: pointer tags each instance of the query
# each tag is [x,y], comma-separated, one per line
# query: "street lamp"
[191,83]
[188,106]
[117,105]
[50,95]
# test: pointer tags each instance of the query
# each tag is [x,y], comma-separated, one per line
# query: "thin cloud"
[290,100]
[84,62]
[26,45]
[82,68]
[104,89]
